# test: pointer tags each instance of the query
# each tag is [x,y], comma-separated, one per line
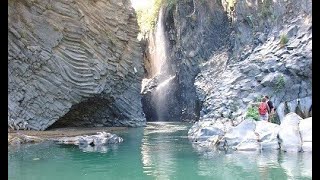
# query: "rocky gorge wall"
[271,55]
[193,30]
[224,55]
[73,63]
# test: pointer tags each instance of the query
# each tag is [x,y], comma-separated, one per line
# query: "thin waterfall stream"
[159,70]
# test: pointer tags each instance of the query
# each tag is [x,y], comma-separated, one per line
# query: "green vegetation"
[274,119]
[266,8]
[147,17]
[283,40]
[253,113]
[279,84]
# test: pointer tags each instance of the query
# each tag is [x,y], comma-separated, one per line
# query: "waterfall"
[161,98]
[158,71]
[159,54]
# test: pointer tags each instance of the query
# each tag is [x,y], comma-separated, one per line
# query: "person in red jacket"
[263,110]
[271,108]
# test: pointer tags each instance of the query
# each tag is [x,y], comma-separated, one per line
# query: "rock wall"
[226,54]
[194,30]
[271,55]
[73,57]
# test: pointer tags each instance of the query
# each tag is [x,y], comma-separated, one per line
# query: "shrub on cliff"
[283,40]
[253,113]
[147,17]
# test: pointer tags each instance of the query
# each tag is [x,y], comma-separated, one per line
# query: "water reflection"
[297,164]
[158,150]
[255,165]
[163,149]
[98,148]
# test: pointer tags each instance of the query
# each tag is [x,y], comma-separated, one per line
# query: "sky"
[139,4]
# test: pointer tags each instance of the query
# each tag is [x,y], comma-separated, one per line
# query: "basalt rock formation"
[226,54]
[73,63]
[192,32]
[271,55]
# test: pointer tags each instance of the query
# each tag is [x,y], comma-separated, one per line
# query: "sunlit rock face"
[76,57]
[289,134]
[305,127]
[271,54]
[294,134]
[268,135]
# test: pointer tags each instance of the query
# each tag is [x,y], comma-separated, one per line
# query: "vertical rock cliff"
[271,55]
[73,63]
[225,54]
[194,30]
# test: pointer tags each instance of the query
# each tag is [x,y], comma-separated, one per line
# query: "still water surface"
[160,151]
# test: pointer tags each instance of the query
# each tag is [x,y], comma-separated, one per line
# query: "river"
[159,151]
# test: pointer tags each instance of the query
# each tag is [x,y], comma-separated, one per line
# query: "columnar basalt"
[69,56]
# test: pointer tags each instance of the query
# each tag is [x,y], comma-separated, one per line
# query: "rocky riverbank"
[294,134]
[20,137]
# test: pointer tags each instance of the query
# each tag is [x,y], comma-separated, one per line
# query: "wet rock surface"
[92,143]
[101,138]
[17,137]
[23,139]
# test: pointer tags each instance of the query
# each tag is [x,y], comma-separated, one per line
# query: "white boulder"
[289,135]
[267,133]
[305,127]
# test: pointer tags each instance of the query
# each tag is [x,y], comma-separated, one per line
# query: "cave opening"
[93,112]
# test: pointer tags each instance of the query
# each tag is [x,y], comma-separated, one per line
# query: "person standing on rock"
[271,108]
[263,109]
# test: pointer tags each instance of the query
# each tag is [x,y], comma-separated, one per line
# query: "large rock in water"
[293,135]
[305,128]
[76,57]
[92,143]
[19,138]
[289,134]
[268,133]
[101,138]
[242,137]
[208,132]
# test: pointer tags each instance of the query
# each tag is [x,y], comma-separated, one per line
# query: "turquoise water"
[159,151]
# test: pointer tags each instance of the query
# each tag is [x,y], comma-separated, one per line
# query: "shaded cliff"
[225,54]
[192,32]
[73,63]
